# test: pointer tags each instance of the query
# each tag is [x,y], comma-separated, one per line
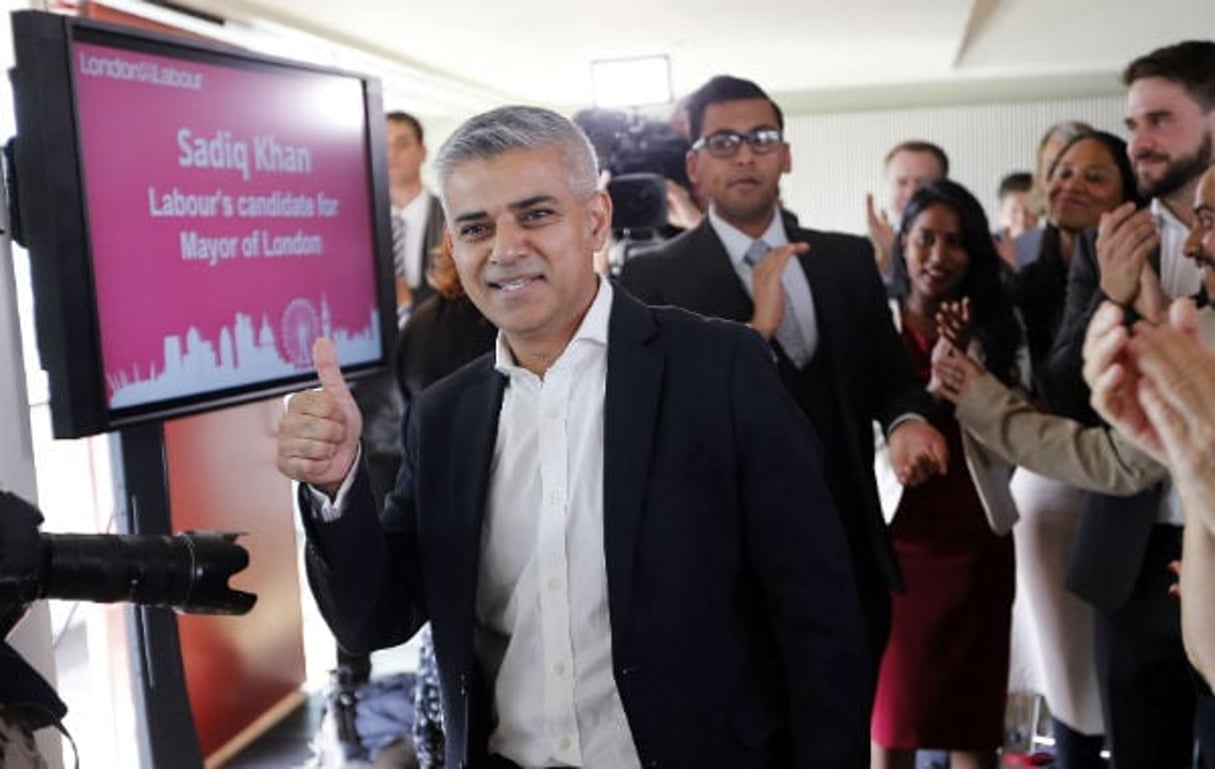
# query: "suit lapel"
[836,337]
[711,275]
[474,431]
[826,298]
[634,381]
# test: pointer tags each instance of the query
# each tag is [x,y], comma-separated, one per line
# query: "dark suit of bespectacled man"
[616,522]
[850,370]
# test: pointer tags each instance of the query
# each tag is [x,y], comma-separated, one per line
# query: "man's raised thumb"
[324,357]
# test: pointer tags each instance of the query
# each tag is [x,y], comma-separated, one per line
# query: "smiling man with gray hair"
[616,522]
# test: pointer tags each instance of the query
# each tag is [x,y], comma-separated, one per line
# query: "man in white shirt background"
[417,215]
[909,165]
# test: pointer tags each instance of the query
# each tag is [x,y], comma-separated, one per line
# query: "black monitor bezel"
[52,210]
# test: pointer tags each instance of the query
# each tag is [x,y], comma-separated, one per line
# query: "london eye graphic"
[301,326]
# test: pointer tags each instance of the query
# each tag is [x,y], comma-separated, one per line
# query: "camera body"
[188,573]
[641,154]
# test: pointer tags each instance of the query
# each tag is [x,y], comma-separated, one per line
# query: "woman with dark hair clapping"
[943,679]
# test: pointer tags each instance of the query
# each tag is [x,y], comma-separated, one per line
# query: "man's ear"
[691,162]
[599,215]
[787,165]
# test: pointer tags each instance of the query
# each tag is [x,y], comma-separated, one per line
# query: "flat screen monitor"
[196,216]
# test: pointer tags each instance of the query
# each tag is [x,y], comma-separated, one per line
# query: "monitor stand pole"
[165,723]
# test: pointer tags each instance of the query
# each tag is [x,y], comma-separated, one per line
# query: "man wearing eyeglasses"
[817,298]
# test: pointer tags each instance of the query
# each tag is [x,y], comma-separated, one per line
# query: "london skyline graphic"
[243,354]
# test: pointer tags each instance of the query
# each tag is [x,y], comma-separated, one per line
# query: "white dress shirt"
[543,631]
[1179,277]
[544,635]
[413,214]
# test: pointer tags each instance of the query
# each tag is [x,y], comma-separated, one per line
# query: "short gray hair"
[492,133]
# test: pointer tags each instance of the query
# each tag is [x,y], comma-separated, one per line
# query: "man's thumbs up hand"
[318,437]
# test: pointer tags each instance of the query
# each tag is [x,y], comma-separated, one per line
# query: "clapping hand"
[953,323]
[952,372]
[1113,378]
[1125,238]
[766,290]
[1177,396]
[881,233]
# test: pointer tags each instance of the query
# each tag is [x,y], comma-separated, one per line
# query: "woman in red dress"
[943,679]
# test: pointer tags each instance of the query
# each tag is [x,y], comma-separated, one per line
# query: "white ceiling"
[440,58]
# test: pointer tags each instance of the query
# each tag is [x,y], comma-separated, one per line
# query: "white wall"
[32,637]
[837,157]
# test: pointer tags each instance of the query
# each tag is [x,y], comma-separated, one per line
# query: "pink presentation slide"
[230,218]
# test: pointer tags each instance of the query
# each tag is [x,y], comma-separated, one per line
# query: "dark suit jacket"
[440,336]
[871,376]
[736,632]
[1113,533]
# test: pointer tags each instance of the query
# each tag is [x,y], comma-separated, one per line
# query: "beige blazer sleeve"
[990,471]
[1092,458]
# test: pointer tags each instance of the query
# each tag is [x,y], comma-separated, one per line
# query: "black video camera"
[188,572]
[641,155]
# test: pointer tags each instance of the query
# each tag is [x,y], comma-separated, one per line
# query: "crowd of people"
[641,515]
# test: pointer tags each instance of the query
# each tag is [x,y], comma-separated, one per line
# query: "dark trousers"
[1149,691]
[1074,750]
[876,612]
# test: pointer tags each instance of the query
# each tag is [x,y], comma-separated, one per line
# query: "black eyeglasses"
[725,143]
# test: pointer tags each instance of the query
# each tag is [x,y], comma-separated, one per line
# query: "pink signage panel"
[230,218]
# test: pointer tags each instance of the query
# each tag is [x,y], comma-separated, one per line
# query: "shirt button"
[554,584]
[552,414]
[554,497]
[559,668]
[564,744]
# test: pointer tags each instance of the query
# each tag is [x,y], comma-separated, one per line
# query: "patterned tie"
[787,334]
[398,246]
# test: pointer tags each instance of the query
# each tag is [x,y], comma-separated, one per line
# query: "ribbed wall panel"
[837,158]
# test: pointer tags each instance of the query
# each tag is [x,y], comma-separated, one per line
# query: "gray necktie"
[398,246]
[787,334]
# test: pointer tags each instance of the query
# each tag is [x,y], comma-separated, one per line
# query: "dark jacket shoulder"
[451,386]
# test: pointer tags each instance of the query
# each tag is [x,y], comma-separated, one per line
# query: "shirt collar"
[1165,216]
[737,242]
[593,329]
[417,206]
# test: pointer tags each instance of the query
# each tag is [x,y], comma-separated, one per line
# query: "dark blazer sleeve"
[797,548]
[899,393]
[363,568]
[1062,377]
[882,367]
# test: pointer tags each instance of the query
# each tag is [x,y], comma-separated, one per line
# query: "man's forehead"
[907,162]
[512,179]
[1157,94]
[398,129]
[739,113]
